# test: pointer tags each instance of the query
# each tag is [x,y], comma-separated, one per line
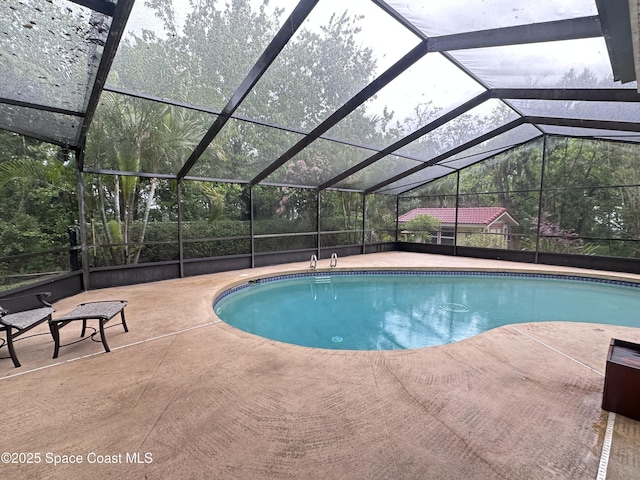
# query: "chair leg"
[12,351]
[84,327]
[124,324]
[102,335]
[53,326]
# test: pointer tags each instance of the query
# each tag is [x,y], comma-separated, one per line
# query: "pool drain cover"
[454,307]
[336,339]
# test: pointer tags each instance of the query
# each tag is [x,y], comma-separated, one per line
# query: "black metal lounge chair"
[20,314]
[102,311]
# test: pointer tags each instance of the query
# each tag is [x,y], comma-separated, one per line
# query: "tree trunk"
[145,220]
[105,222]
[118,211]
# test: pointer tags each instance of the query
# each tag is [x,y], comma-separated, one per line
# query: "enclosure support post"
[364,223]
[180,237]
[544,158]
[84,250]
[397,215]
[74,262]
[251,230]
[455,224]
[318,224]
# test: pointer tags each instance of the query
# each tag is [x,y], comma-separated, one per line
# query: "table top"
[625,353]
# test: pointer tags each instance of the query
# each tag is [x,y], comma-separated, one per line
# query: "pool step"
[324,279]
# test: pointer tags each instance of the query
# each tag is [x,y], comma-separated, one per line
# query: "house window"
[447,235]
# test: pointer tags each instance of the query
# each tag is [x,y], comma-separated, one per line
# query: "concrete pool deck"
[184,395]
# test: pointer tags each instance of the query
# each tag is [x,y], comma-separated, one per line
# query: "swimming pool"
[391,310]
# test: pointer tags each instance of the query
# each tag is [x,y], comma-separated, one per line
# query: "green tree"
[380,218]
[136,136]
[421,228]
[37,205]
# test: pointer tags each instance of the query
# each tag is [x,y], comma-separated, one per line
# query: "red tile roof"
[467,216]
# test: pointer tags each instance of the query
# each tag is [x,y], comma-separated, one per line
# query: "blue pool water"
[387,311]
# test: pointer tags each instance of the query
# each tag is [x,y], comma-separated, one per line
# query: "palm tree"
[139,136]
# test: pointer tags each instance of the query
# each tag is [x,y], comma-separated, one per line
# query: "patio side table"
[622,379]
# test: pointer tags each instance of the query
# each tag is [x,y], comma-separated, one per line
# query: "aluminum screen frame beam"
[286,32]
[456,112]
[533,120]
[241,118]
[618,35]
[576,94]
[35,136]
[367,92]
[454,151]
[501,152]
[118,24]
[584,123]
[37,106]
[154,98]
[570,29]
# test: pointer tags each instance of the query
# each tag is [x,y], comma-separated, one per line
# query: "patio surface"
[184,395]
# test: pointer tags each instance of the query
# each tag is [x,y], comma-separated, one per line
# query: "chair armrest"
[40,296]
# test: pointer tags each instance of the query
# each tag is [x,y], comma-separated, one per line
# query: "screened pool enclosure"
[144,140]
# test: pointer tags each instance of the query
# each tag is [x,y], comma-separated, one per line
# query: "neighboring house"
[493,224]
